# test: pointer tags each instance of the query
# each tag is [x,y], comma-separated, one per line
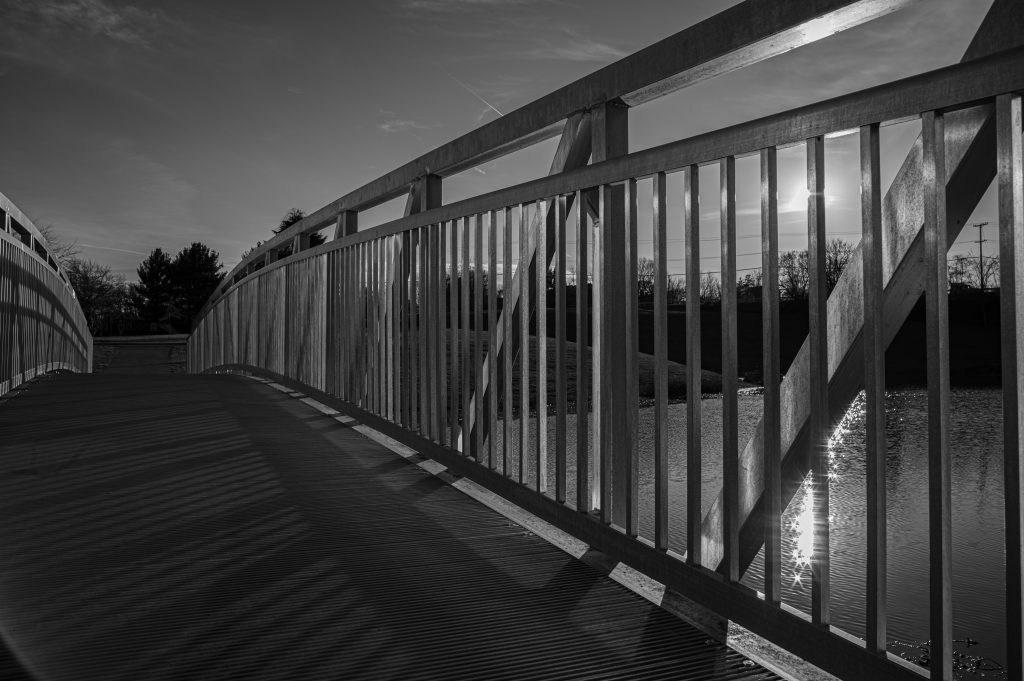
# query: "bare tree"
[645,278]
[710,288]
[969,271]
[675,290]
[101,293]
[62,250]
[837,257]
[793,275]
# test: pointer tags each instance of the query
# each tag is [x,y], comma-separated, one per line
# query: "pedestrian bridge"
[237,521]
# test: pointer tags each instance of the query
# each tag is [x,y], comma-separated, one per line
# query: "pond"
[979,596]
[975,431]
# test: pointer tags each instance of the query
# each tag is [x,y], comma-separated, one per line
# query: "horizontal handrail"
[947,89]
[739,36]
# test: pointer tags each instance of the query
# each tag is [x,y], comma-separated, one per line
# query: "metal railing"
[42,327]
[391,320]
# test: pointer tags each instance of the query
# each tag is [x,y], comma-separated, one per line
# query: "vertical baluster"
[453,336]
[937,332]
[1011,299]
[583,463]
[408,323]
[367,326]
[541,423]
[420,303]
[478,336]
[691,245]
[506,310]
[440,337]
[382,318]
[874,385]
[354,315]
[404,326]
[393,326]
[416,301]
[415,339]
[771,369]
[524,346]
[561,396]
[359,310]
[492,338]
[371,326]
[467,356]
[365,323]
[660,362]
[818,338]
[632,382]
[418,337]
[430,272]
[343,321]
[401,327]
[381,345]
[407,319]
[600,472]
[730,370]
[366,281]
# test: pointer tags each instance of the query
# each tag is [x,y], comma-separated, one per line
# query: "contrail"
[470,91]
[108,248]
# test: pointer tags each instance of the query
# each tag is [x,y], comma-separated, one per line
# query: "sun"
[798,200]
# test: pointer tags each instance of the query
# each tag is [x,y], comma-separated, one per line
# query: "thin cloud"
[576,49]
[472,92]
[111,248]
[96,18]
[451,6]
[400,125]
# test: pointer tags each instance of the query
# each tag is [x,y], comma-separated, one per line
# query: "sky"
[134,125]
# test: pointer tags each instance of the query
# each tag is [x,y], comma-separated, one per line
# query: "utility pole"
[981,259]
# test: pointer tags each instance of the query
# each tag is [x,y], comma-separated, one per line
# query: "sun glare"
[798,200]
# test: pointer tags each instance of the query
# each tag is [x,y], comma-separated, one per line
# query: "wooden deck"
[211,527]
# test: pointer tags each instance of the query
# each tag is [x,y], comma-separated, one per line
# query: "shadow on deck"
[211,527]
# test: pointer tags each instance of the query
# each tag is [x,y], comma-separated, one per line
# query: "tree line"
[172,290]
[168,295]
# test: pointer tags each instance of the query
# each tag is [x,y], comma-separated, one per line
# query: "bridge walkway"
[212,527]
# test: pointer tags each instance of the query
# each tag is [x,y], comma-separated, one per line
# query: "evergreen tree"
[290,218]
[154,291]
[195,272]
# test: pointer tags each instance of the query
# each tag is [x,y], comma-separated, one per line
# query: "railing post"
[424,194]
[347,224]
[610,138]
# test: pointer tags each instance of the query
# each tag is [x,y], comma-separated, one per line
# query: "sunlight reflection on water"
[977,508]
